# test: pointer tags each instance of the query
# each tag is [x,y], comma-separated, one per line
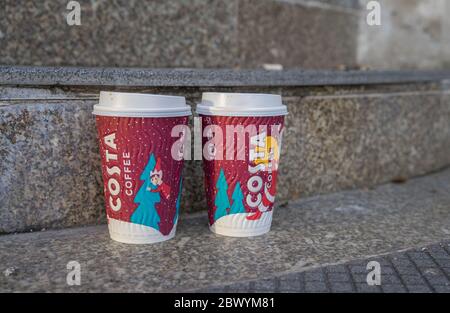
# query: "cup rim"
[130,104]
[241,104]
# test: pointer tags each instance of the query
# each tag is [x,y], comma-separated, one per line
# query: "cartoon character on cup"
[156,179]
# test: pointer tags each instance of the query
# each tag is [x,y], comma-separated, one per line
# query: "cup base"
[237,225]
[236,232]
[130,233]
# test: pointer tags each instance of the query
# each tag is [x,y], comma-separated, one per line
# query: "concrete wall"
[413,34]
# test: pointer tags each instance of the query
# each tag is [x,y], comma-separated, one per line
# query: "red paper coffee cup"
[141,139]
[242,136]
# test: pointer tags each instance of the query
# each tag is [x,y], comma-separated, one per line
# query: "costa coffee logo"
[264,156]
[114,172]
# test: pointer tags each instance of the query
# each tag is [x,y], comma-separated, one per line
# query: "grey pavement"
[306,235]
[420,270]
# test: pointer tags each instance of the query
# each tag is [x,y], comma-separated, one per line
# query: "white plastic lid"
[140,105]
[241,104]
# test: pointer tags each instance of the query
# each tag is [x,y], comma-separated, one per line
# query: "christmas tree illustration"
[221,201]
[177,205]
[146,213]
[238,203]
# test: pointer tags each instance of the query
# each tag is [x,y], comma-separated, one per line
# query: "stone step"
[359,129]
[308,233]
[172,33]
[228,34]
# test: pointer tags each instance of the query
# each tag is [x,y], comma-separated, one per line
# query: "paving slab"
[424,280]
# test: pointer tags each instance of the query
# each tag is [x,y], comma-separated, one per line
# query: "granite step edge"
[191,77]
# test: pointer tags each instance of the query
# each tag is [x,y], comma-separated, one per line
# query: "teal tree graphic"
[221,201]
[145,213]
[177,205]
[238,200]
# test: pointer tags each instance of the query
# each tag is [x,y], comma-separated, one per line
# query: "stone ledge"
[145,77]
[308,233]
[336,139]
